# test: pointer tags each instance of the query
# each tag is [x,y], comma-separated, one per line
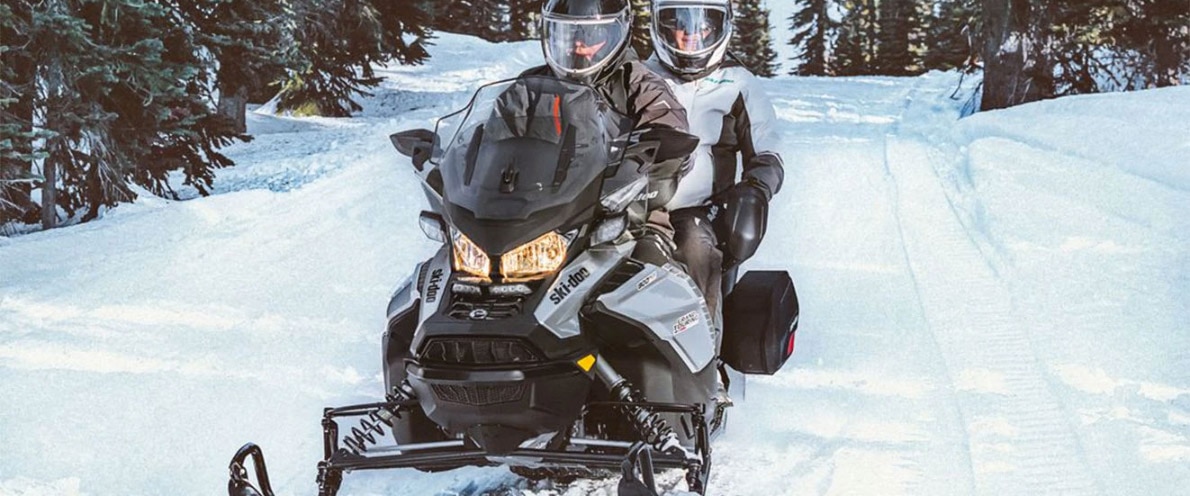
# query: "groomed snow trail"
[1018,431]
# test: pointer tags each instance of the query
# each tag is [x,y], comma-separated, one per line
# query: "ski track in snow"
[993,305]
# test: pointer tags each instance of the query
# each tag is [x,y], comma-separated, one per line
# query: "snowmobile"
[533,338]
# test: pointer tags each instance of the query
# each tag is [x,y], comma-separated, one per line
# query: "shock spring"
[654,429]
[371,428]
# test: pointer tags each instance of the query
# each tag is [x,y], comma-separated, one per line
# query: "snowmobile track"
[1031,449]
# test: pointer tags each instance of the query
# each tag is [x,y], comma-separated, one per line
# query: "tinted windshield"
[529,147]
[525,145]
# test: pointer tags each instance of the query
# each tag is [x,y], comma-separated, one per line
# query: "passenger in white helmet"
[736,169]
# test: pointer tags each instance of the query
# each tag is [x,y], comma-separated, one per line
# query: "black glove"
[744,220]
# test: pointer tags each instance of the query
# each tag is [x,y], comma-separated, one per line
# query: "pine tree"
[336,42]
[642,38]
[1073,35]
[16,114]
[812,29]
[951,35]
[896,21]
[752,40]
[855,45]
[486,19]
[124,97]
[245,38]
[1158,32]
[525,19]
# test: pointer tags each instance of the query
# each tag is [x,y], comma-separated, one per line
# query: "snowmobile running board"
[371,448]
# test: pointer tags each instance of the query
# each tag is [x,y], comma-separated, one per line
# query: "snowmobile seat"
[760,319]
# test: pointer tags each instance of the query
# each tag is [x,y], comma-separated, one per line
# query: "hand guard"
[743,221]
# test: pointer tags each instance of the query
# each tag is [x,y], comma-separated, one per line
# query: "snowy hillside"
[993,305]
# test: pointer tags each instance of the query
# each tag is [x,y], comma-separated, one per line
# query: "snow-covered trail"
[990,306]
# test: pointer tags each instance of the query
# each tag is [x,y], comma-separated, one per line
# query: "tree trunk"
[1012,73]
[233,106]
[1166,63]
[49,194]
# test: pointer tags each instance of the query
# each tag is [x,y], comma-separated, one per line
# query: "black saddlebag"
[760,320]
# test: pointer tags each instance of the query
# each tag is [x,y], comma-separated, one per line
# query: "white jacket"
[733,119]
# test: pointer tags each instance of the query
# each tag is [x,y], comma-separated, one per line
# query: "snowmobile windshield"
[526,156]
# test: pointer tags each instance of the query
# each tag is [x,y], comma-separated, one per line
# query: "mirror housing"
[433,225]
[416,144]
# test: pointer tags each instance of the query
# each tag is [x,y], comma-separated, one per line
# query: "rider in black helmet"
[588,41]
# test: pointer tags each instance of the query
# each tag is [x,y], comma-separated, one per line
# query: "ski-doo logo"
[685,322]
[568,286]
[434,286]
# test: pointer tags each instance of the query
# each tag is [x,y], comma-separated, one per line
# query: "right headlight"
[535,259]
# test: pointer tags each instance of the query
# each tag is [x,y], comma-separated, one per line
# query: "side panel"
[668,303]
[433,289]
[559,310]
[407,311]
[406,295]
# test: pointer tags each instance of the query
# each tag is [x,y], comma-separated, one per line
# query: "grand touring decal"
[568,286]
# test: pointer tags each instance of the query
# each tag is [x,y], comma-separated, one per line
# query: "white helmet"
[585,39]
[691,36]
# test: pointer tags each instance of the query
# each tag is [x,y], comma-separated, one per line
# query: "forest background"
[105,100]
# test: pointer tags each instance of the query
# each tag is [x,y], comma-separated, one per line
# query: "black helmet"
[691,36]
[585,40]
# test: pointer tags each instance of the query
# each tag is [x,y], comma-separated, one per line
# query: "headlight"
[469,258]
[535,259]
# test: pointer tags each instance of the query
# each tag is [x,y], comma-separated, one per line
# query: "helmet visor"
[582,46]
[690,30]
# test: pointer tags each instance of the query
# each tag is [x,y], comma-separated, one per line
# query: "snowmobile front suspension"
[448,454]
[696,463]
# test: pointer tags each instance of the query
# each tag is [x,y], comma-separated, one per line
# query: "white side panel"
[559,310]
[666,300]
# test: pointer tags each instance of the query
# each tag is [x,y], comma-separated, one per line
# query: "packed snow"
[991,305]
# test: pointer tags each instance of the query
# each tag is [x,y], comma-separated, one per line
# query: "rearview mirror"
[433,225]
[416,144]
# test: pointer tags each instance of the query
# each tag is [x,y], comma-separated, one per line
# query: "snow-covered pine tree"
[812,29]
[16,114]
[752,40]
[335,43]
[245,37]
[124,95]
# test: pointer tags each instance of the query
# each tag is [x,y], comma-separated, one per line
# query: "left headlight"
[468,257]
[535,259]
